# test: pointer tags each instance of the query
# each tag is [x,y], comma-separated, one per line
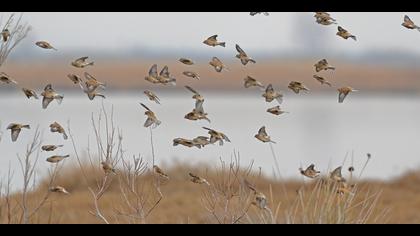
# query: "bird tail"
[418,28]
[26,126]
[66,156]
[353,37]
[273,142]
[91,64]
[59,99]
[331,67]
[223,44]
[65,136]
[328,83]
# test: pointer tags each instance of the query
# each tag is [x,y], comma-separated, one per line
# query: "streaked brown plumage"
[186,61]
[184,142]
[251,82]
[243,56]
[409,24]
[260,200]
[49,95]
[276,110]
[4,78]
[29,93]
[323,65]
[75,79]
[197,179]
[165,77]
[5,34]
[310,172]
[50,148]
[217,64]
[263,136]
[56,158]
[336,175]
[297,87]
[108,168]
[45,45]
[198,112]
[92,83]
[191,75]
[15,130]
[201,141]
[153,75]
[212,41]
[324,18]
[57,128]
[322,80]
[217,136]
[343,92]
[152,96]
[345,34]
[58,189]
[270,94]
[159,171]
[151,118]
[81,62]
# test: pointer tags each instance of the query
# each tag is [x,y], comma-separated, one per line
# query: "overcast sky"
[186,31]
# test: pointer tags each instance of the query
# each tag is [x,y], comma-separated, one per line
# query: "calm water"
[317,130]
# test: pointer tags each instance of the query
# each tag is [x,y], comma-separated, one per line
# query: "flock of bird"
[90,85]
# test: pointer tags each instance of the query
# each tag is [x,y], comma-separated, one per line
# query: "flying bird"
[29,93]
[322,80]
[343,92]
[310,172]
[323,65]
[186,61]
[165,77]
[197,179]
[191,75]
[251,82]
[184,142]
[201,141]
[152,96]
[409,24]
[270,94]
[5,35]
[260,200]
[57,128]
[153,75]
[15,130]
[58,189]
[4,78]
[196,95]
[243,56]
[50,148]
[45,45]
[263,136]
[92,83]
[151,118]
[49,95]
[217,64]
[255,13]
[336,175]
[297,87]
[217,136]
[345,34]
[56,158]
[75,79]
[198,112]
[81,62]
[276,110]
[212,41]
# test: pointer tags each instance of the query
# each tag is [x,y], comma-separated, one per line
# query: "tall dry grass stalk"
[18,31]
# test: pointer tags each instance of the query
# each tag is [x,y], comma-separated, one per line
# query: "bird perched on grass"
[322,80]
[218,64]
[108,168]
[276,110]
[197,179]
[243,56]
[251,82]
[81,62]
[409,24]
[343,92]
[263,136]
[5,34]
[4,78]
[217,136]
[49,95]
[345,34]
[309,172]
[45,45]
[270,94]
[15,130]
[57,128]
[56,158]
[151,118]
[260,200]
[323,65]
[212,41]
[50,148]
[152,96]
[297,87]
[58,189]
[29,93]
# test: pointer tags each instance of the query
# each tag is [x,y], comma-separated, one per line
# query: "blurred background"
[381,119]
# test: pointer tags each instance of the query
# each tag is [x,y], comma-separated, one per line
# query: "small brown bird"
[255,13]
[196,95]
[212,41]
[270,94]
[81,62]
[263,136]
[50,148]
[197,179]
[165,77]
[152,96]
[5,33]
[243,56]
[186,61]
[260,199]
[276,110]
[107,167]
[92,83]
[345,34]
[49,95]
[58,189]
[198,112]
[297,87]
[151,118]
[57,128]
[343,92]
[15,130]
[336,175]
[201,141]
[92,93]
[345,188]
[4,78]
[160,172]
[217,64]
[409,24]
[56,158]
[322,80]
[45,45]
[324,18]
[153,75]
[191,75]
[217,136]
[29,93]
[323,65]
[251,82]
[184,142]
[75,79]
[310,172]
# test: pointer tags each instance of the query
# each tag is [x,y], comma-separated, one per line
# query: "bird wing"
[48,88]
[341,29]
[15,134]
[164,72]
[337,172]
[89,76]
[311,167]
[81,60]
[408,20]
[199,106]
[46,101]
[239,49]
[145,107]
[191,89]
[341,97]
[269,88]
[225,138]
[214,37]
[148,122]
[262,131]
[193,175]
[153,71]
